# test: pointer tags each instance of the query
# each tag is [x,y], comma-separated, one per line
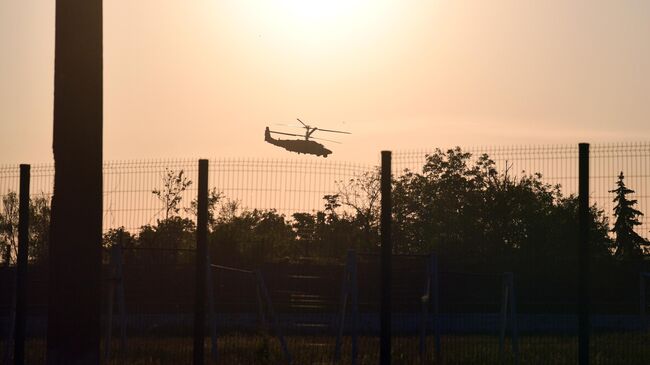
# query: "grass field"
[239,348]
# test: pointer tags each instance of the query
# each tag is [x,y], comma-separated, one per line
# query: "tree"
[328,234]
[173,234]
[214,197]
[362,194]
[120,236]
[250,235]
[171,194]
[304,224]
[443,208]
[171,237]
[468,212]
[39,228]
[9,228]
[628,244]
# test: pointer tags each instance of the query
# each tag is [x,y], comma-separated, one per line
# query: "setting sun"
[319,11]
[315,24]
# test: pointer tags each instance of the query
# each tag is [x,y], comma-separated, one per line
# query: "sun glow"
[320,12]
[314,25]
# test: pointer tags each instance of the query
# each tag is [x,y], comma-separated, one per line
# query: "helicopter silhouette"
[306,145]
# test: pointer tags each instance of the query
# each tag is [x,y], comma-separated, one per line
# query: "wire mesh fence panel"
[245,328]
[282,286]
[477,318]
[619,329]
[36,324]
[147,306]
[42,177]
[306,298]
[412,336]
[286,186]
[290,186]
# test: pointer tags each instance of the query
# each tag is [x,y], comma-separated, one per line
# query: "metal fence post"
[274,318]
[503,315]
[386,257]
[21,267]
[642,303]
[345,292]
[430,303]
[513,318]
[425,304]
[211,311]
[350,289]
[354,298]
[110,299]
[119,291]
[201,259]
[115,293]
[583,255]
[435,291]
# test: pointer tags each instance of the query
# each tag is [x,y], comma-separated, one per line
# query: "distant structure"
[306,145]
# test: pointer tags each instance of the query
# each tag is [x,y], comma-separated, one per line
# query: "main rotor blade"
[323,139]
[306,126]
[333,131]
[289,125]
[288,134]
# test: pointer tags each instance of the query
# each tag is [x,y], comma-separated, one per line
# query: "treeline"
[460,207]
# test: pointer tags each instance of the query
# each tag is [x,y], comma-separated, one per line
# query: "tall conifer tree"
[628,243]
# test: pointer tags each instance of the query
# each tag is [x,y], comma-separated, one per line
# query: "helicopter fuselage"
[298,145]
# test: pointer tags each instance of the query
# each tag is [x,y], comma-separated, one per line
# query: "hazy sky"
[203,78]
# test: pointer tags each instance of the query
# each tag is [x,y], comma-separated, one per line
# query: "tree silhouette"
[468,212]
[9,227]
[214,197]
[171,194]
[628,244]
[250,235]
[39,228]
[171,237]
[362,195]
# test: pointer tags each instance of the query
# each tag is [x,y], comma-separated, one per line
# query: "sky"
[203,78]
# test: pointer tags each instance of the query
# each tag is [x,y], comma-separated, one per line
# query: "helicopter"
[306,145]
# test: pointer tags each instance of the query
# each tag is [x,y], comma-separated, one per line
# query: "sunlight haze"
[204,78]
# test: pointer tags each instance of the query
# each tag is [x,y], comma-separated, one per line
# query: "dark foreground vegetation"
[243,349]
